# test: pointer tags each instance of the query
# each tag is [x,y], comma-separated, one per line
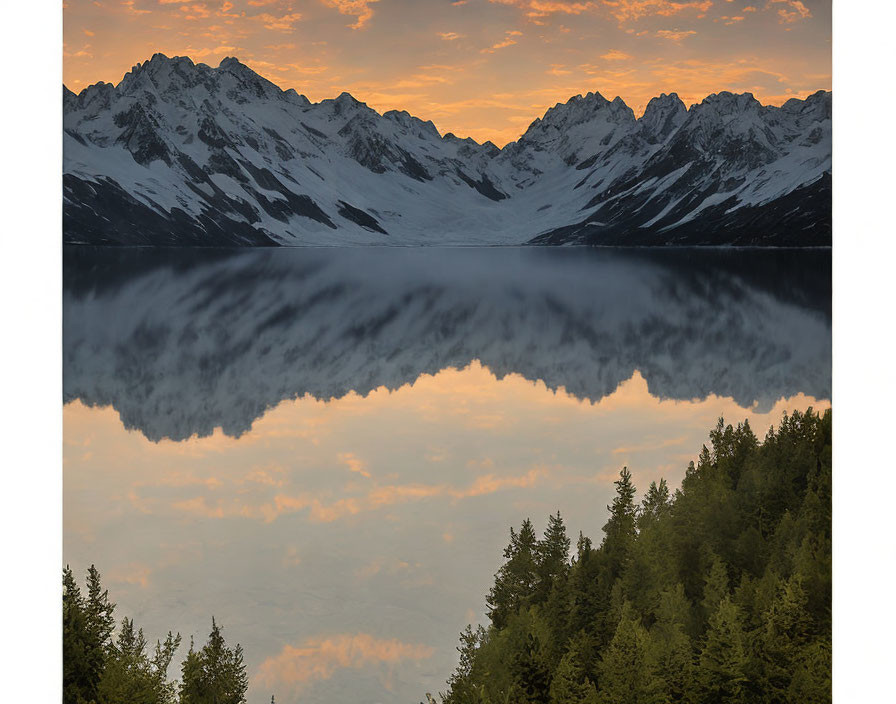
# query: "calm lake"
[324,449]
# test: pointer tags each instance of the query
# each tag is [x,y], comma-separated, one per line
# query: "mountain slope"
[182,153]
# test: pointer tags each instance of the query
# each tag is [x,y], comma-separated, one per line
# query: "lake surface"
[325,448]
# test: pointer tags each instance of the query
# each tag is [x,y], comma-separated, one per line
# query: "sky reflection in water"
[386,424]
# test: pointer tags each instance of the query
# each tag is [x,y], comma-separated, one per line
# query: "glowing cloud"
[614,55]
[507,41]
[624,10]
[354,464]
[134,573]
[794,12]
[195,12]
[318,658]
[131,8]
[675,35]
[284,23]
[536,9]
[360,9]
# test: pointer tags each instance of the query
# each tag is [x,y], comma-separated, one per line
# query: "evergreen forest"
[105,665]
[717,593]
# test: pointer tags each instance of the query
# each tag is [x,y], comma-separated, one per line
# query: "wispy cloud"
[283,23]
[675,35]
[614,55]
[625,10]
[543,8]
[794,12]
[319,658]
[130,7]
[622,10]
[360,9]
[195,12]
[354,463]
[322,508]
[507,41]
[135,573]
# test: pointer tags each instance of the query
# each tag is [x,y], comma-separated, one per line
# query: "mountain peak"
[663,115]
[582,108]
[344,103]
[247,78]
[160,62]
[294,96]
[410,122]
[234,65]
[725,101]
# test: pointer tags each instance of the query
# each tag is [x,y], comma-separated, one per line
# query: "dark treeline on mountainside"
[100,666]
[720,592]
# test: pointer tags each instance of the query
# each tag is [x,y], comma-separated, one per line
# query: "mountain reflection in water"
[181,342]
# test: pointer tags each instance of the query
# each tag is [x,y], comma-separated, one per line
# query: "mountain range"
[180,153]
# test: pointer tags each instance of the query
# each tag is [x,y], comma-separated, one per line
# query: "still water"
[325,448]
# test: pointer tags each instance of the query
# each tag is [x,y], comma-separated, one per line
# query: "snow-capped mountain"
[182,153]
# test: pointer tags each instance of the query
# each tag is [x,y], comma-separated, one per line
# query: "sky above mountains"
[478,68]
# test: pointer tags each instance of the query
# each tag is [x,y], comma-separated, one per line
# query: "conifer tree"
[720,675]
[78,684]
[214,675]
[161,661]
[655,503]
[620,528]
[531,674]
[715,587]
[99,610]
[583,547]
[99,624]
[669,654]
[622,668]
[131,675]
[570,685]
[461,684]
[552,554]
[128,677]
[785,635]
[811,677]
[517,579]
[190,690]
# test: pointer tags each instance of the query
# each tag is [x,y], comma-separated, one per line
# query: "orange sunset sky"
[478,68]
